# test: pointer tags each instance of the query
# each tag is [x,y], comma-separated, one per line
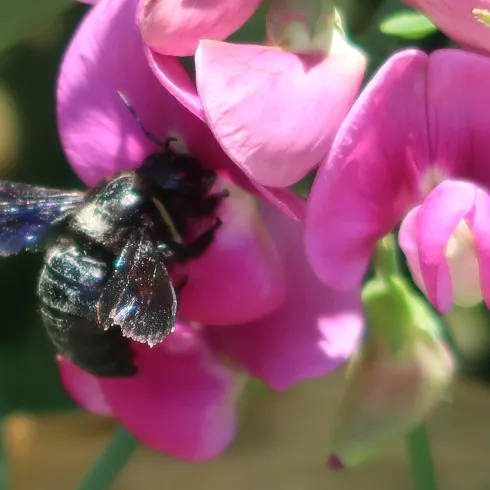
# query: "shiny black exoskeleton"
[110,249]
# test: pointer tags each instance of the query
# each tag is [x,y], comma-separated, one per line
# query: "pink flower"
[268,312]
[465,21]
[273,112]
[419,128]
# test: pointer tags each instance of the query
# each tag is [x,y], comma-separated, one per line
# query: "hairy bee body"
[70,287]
[109,252]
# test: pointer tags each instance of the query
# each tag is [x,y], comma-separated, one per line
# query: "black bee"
[109,250]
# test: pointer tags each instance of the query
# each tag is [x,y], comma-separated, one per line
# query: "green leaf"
[407,24]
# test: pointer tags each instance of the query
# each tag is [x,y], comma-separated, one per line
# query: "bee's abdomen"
[69,289]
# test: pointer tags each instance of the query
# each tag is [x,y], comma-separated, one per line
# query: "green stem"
[111,462]
[386,259]
[424,476]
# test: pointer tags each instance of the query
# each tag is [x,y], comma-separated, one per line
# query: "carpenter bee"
[109,251]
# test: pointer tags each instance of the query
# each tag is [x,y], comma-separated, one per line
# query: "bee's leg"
[181,285]
[196,248]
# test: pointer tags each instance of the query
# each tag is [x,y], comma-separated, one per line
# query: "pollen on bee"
[168,220]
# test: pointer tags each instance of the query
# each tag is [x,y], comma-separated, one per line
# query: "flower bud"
[401,372]
[304,27]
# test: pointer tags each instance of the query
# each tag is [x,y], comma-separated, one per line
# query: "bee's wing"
[139,297]
[28,213]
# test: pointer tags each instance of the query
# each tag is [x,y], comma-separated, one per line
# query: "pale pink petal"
[479,222]
[314,331]
[84,388]
[437,218]
[458,19]
[181,402]
[275,113]
[372,176]
[457,92]
[174,27]
[241,276]
[98,134]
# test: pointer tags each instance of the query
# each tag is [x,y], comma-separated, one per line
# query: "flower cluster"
[261,117]
[271,298]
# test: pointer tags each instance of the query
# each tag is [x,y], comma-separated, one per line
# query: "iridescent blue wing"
[28,213]
[139,297]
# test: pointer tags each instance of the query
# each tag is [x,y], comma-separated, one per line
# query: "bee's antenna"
[162,144]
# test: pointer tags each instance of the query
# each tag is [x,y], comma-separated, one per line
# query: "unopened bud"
[401,372]
[302,26]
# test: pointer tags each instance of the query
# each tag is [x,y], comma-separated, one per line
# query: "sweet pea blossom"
[274,112]
[413,150]
[251,303]
[465,21]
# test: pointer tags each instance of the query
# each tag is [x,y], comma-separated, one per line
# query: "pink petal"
[408,241]
[98,134]
[310,334]
[84,388]
[479,223]
[285,200]
[241,276]
[174,27]
[457,19]
[176,80]
[437,219]
[372,175]
[182,402]
[247,90]
[457,92]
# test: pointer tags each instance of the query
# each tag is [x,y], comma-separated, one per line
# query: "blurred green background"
[33,36]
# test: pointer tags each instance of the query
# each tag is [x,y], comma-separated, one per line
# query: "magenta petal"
[181,402]
[247,89]
[373,174]
[310,334]
[174,27]
[437,219]
[408,241]
[84,388]
[98,134]
[241,276]
[458,126]
[457,19]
